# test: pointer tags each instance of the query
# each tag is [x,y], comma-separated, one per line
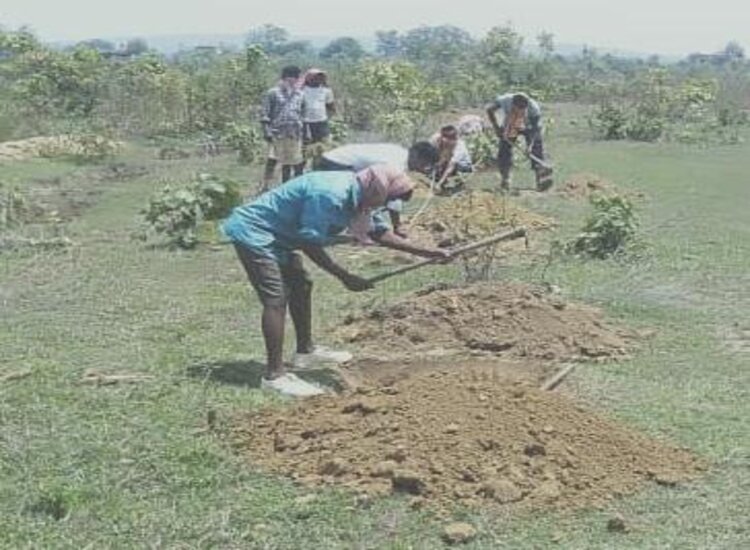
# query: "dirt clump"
[434,440]
[500,319]
[459,533]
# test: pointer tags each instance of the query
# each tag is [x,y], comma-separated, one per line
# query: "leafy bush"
[482,148]
[339,131]
[609,121]
[245,140]
[645,126]
[177,212]
[608,230]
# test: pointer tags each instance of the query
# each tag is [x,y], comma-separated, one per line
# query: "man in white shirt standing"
[319,105]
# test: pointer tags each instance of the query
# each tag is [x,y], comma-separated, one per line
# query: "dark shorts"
[318,131]
[324,164]
[274,283]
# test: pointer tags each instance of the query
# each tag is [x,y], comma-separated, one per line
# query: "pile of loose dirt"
[460,438]
[473,215]
[581,186]
[52,146]
[506,319]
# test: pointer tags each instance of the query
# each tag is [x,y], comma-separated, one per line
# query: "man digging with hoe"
[306,214]
[521,116]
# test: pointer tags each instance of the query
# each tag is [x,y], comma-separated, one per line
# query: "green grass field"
[129,466]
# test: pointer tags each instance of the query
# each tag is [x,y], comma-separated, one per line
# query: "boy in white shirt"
[319,105]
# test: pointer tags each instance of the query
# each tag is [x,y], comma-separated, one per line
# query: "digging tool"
[458,251]
[544,170]
[556,379]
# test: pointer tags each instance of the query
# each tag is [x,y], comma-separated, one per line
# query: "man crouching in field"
[304,215]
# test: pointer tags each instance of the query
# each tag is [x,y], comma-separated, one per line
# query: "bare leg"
[268,172]
[273,334]
[505,162]
[300,308]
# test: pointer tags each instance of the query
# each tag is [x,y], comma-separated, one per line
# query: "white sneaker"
[320,356]
[291,385]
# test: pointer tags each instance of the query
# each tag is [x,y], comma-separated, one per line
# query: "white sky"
[666,26]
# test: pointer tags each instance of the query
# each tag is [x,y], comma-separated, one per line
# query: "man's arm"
[389,239]
[447,172]
[492,110]
[321,258]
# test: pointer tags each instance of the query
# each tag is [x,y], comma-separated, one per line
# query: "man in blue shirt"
[305,215]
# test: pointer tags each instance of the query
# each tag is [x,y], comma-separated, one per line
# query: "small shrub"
[339,131]
[608,230]
[645,127]
[482,148]
[177,212]
[246,141]
[609,121]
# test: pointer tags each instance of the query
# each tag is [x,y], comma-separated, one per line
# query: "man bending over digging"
[420,157]
[305,215]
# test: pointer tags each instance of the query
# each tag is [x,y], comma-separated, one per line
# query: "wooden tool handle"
[492,239]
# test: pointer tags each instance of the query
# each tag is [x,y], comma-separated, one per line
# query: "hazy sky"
[663,26]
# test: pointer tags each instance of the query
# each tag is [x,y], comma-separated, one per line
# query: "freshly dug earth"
[503,319]
[460,438]
[473,215]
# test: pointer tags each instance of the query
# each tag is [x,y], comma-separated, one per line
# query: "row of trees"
[136,91]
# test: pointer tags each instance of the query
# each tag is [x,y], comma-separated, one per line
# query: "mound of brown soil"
[585,185]
[448,438]
[507,319]
[473,215]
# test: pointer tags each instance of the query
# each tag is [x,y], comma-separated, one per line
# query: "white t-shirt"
[361,155]
[316,100]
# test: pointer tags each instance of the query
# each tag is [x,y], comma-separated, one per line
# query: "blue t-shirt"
[308,210]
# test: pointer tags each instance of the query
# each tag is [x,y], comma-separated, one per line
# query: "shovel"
[544,170]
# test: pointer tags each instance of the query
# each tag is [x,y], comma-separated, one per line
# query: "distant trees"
[345,48]
[276,41]
[132,89]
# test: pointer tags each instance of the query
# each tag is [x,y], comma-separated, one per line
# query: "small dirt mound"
[460,438]
[581,186]
[56,146]
[473,215]
[506,319]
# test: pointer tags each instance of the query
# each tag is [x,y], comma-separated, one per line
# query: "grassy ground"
[130,467]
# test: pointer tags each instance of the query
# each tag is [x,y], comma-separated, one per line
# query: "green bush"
[482,148]
[245,140]
[609,121]
[177,212]
[608,230]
